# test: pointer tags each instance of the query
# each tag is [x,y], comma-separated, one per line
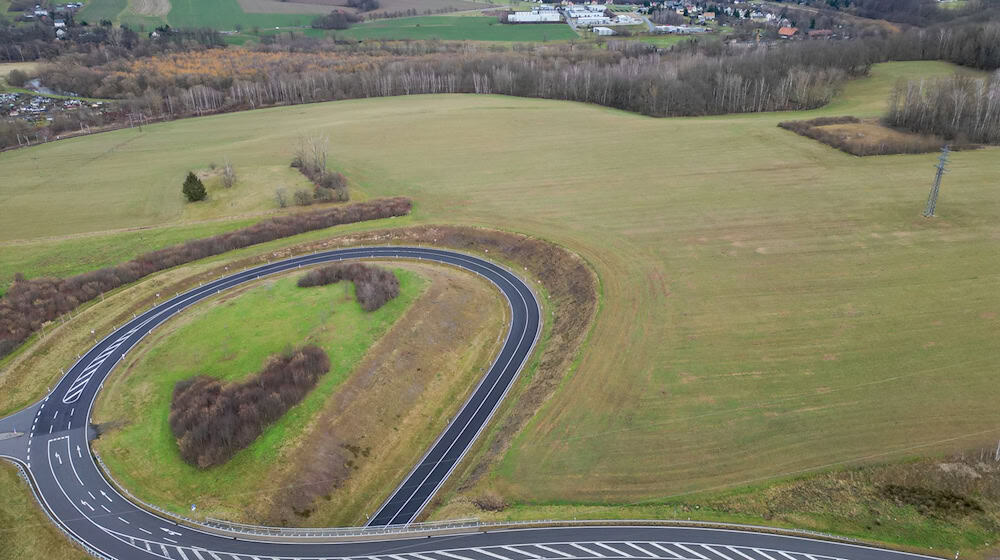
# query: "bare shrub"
[30,303]
[212,421]
[373,286]
[490,501]
[228,174]
[311,154]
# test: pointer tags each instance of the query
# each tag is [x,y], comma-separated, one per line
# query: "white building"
[590,21]
[627,20]
[539,16]
[603,31]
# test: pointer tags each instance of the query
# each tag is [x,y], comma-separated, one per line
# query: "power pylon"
[941,170]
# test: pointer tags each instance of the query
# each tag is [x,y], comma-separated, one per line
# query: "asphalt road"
[55,451]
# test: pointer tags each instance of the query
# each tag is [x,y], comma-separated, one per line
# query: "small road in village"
[51,442]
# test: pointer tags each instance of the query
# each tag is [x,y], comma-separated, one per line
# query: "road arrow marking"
[59,458]
[78,454]
[106,496]
[169,532]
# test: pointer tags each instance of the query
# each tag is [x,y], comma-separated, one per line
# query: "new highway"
[54,451]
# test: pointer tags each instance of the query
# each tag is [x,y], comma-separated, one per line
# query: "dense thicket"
[28,304]
[337,19]
[373,286]
[212,421]
[958,108]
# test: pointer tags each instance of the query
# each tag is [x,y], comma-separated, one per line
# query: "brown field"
[324,6]
[154,8]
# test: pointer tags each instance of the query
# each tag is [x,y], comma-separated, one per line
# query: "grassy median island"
[229,339]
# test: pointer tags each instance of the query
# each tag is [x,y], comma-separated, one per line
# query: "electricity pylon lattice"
[932,198]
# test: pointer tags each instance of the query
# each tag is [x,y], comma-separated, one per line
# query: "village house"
[787,32]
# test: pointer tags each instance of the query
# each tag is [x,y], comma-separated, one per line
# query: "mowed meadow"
[770,305]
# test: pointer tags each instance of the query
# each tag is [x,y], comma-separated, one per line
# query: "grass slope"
[472,28]
[229,341]
[25,531]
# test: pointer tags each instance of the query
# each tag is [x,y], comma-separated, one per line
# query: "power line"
[932,198]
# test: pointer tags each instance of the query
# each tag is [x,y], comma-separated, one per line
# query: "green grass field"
[472,28]
[230,341]
[771,306]
[97,10]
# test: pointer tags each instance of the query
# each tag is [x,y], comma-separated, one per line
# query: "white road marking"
[92,496]
[105,508]
[145,531]
[553,551]
[741,553]
[164,550]
[640,549]
[422,557]
[667,550]
[682,547]
[486,552]
[169,532]
[455,556]
[519,551]
[87,504]
[58,458]
[764,554]
[50,428]
[615,551]
[585,549]
[196,553]
[181,551]
[123,521]
[785,554]
[107,498]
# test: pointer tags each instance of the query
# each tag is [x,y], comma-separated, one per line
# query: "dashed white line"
[123,521]
[145,531]
[105,508]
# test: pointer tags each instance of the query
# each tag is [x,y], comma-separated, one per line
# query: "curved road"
[56,454]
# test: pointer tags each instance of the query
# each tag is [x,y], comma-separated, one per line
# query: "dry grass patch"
[154,8]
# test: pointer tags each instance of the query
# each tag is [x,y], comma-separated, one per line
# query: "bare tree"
[228,174]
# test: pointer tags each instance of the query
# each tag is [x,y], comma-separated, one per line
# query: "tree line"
[213,421]
[960,108]
[29,304]
[373,286]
